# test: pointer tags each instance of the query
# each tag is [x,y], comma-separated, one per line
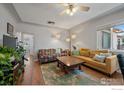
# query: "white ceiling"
[41,13]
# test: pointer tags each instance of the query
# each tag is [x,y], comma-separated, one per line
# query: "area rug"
[53,75]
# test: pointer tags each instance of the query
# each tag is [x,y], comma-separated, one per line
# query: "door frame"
[33,38]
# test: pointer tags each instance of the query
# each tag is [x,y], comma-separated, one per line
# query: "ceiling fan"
[70,9]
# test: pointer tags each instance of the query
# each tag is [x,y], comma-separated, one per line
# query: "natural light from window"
[111,38]
[118,37]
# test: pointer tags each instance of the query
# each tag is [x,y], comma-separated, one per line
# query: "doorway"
[28,40]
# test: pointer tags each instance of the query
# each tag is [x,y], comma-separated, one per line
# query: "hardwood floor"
[115,79]
[33,75]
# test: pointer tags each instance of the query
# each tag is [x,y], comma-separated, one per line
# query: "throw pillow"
[93,53]
[76,53]
[58,50]
[106,54]
[52,51]
[85,53]
[99,58]
[47,51]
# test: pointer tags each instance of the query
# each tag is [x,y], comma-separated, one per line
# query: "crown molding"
[35,24]
[41,25]
[109,12]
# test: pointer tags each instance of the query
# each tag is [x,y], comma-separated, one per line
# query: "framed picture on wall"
[10,29]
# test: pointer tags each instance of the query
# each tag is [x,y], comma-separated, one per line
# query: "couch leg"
[109,75]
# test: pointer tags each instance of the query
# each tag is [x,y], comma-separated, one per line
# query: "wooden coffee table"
[69,62]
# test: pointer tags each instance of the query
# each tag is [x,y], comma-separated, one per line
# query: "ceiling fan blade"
[84,8]
[65,4]
[63,12]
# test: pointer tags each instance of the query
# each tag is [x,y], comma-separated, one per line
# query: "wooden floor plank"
[33,74]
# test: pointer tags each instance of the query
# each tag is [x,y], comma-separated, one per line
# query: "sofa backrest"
[47,51]
[84,52]
[94,52]
[59,51]
[84,49]
[91,53]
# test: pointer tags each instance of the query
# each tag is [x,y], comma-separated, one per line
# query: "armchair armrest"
[39,55]
[111,64]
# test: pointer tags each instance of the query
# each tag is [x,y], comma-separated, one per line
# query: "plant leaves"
[1,73]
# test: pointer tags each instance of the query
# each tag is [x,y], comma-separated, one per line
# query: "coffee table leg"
[65,70]
[58,64]
[79,67]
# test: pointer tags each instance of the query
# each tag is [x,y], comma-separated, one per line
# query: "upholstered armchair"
[121,63]
[49,55]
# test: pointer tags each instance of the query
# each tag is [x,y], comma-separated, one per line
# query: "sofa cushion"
[84,49]
[102,51]
[76,53]
[48,52]
[85,52]
[42,52]
[64,53]
[100,58]
[94,52]
[52,51]
[92,62]
[106,54]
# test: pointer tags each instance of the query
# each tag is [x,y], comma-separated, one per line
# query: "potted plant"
[9,57]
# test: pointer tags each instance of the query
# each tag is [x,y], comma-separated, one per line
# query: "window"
[112,38]
[106,39]
[118,37]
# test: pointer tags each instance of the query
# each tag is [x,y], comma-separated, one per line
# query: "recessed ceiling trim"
[42,25]
[113,10]
[20,20]
[40,13]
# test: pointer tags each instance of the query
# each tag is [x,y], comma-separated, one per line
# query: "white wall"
[115,40]
[5,16]
[43,36]
[86,32]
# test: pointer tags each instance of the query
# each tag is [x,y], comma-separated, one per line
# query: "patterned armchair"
[49,55]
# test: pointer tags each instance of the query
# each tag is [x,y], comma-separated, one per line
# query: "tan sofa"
[109,66]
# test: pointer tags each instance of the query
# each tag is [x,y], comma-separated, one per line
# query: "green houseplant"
[7,56]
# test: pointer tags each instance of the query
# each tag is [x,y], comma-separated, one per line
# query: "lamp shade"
[73,36]
[67,39]
[58,36]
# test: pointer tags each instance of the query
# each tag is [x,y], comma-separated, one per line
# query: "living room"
[64,43]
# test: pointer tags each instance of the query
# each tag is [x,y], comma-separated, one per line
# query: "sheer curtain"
[104,39]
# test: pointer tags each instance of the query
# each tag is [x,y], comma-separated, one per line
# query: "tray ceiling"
[41,13]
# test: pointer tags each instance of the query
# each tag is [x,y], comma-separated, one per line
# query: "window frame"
[99,44]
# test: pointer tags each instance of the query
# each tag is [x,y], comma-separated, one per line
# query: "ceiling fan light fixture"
[74,9]
[71,14]
[67,39]
[73,36]
[67,11]
[71,9]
